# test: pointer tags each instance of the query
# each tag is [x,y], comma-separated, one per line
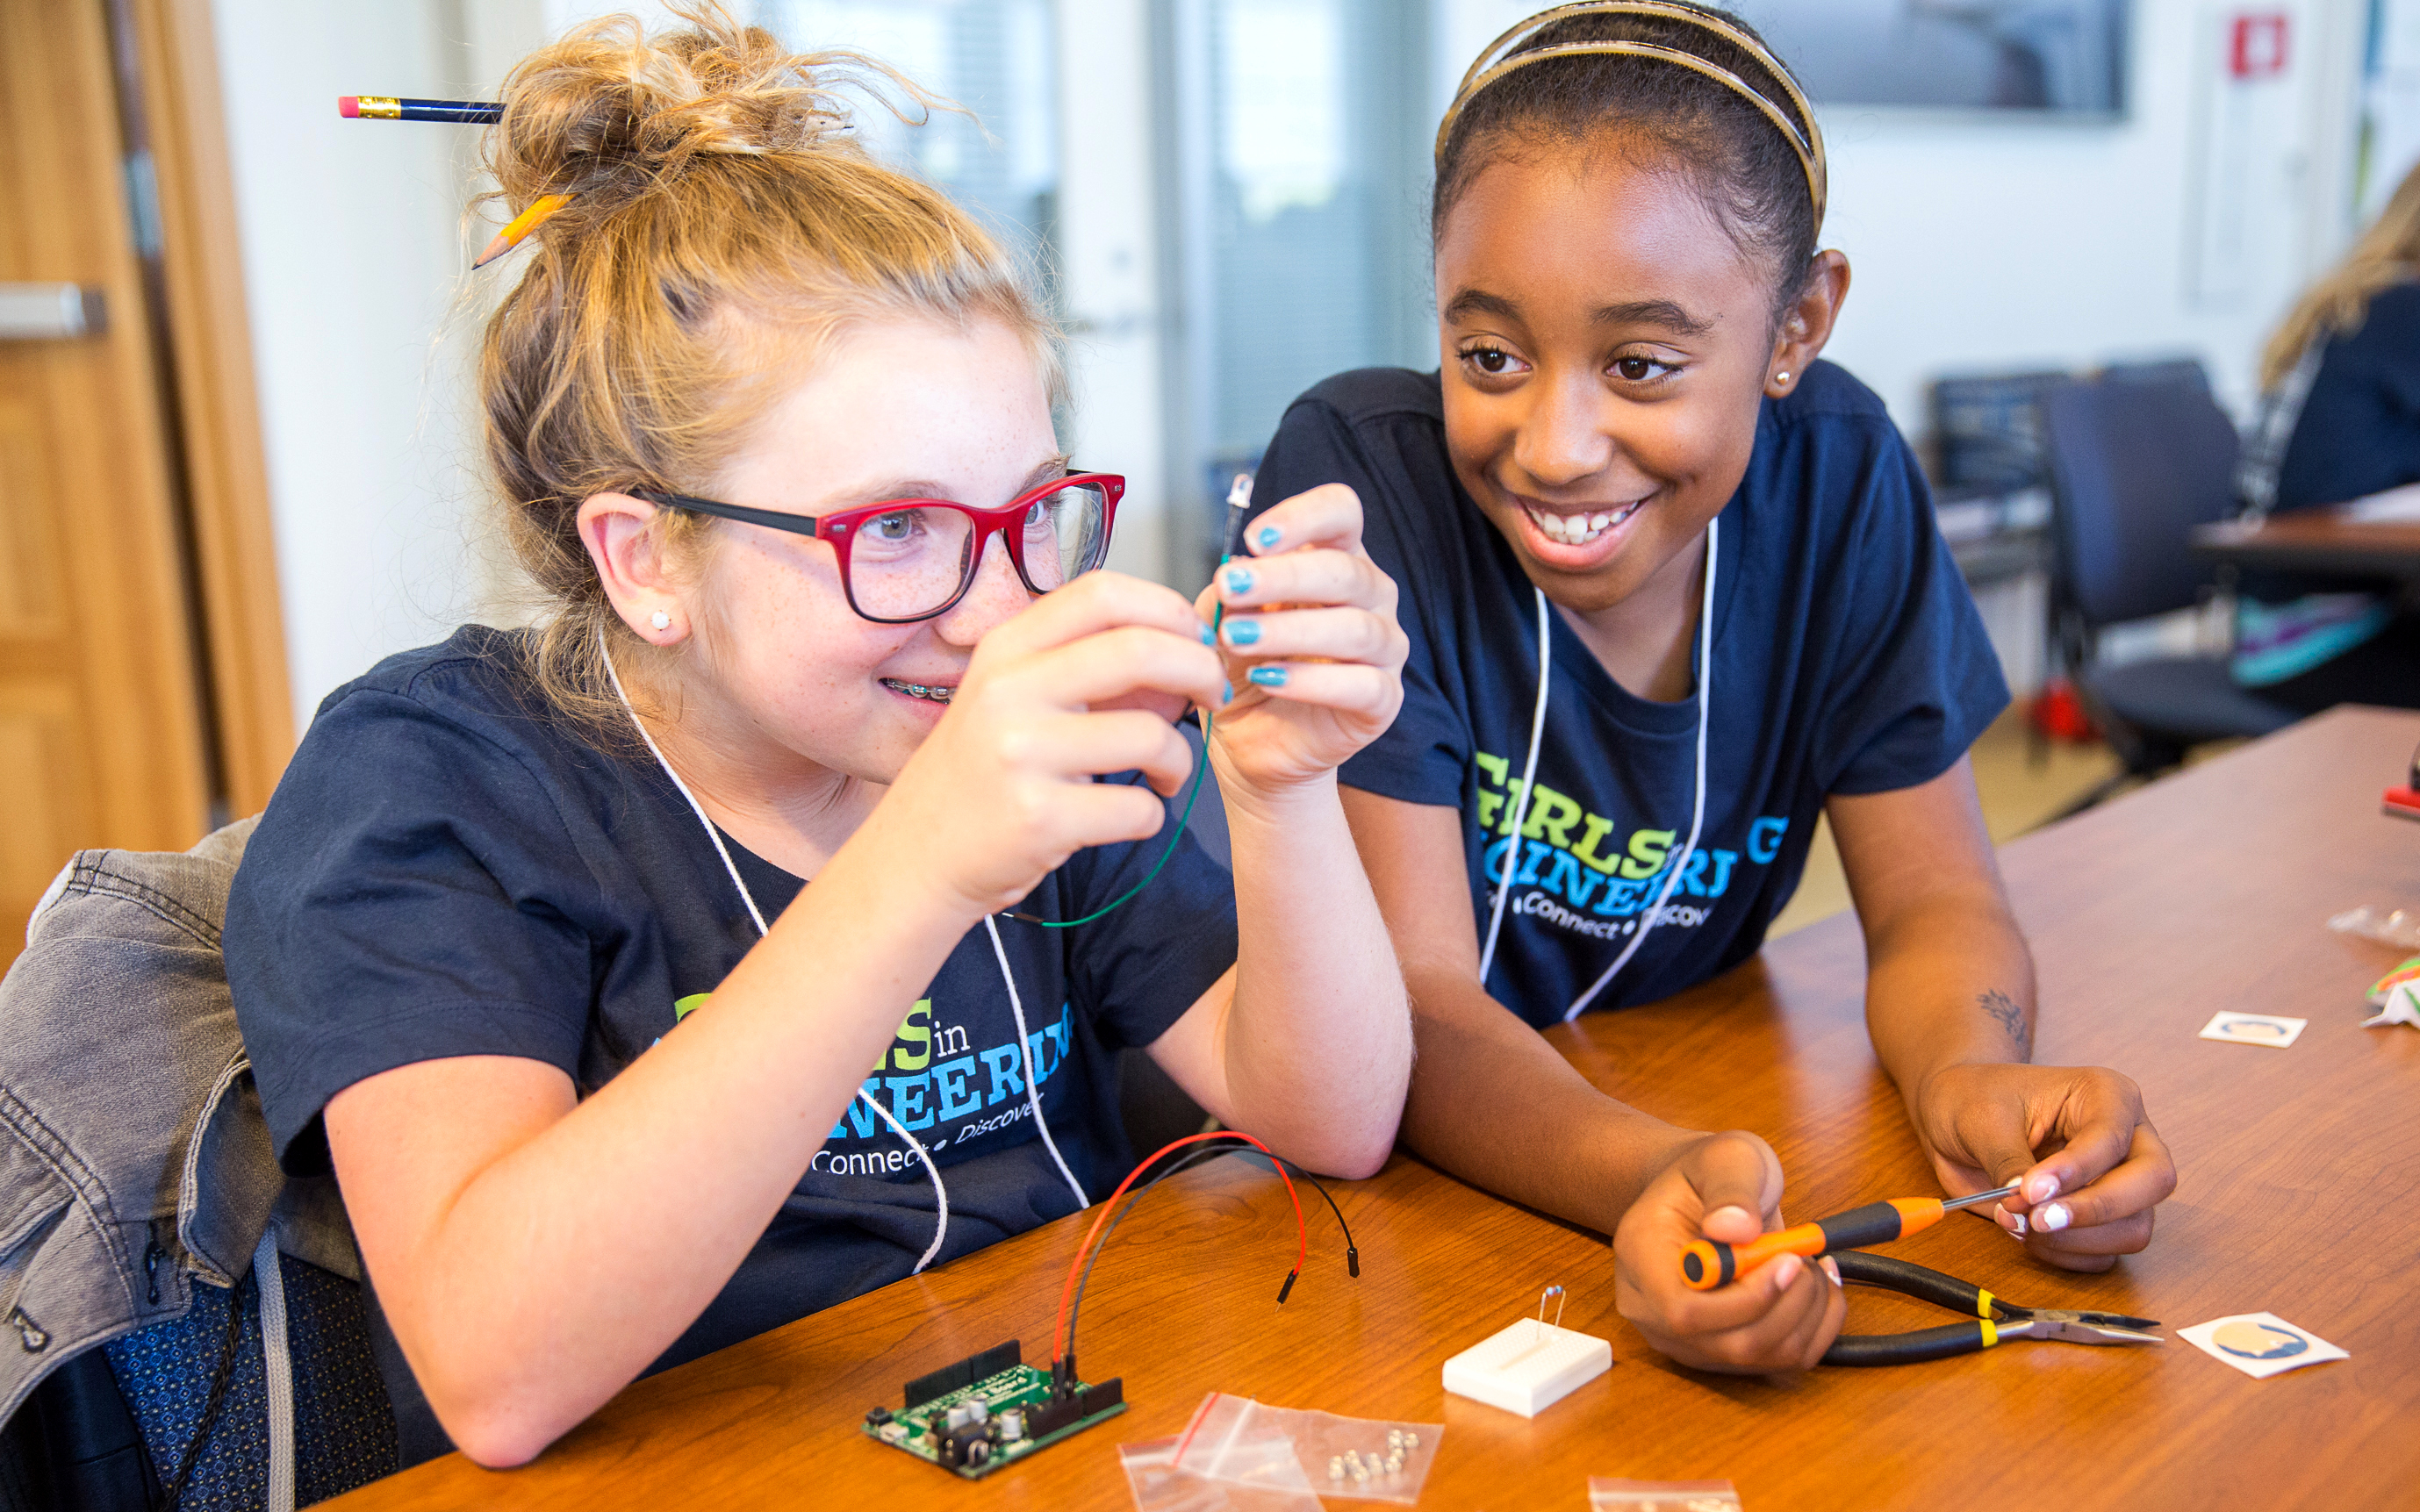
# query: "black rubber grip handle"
[1914,1280]
[1876,1222]
[1906,1348]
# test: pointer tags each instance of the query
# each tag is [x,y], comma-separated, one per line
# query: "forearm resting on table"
[1313,1045]
[1948,980]
[532,1253]
[1492,1102]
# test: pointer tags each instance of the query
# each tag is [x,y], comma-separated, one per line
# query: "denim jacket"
[134,1160]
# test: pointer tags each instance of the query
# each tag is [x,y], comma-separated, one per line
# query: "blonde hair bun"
[611,105]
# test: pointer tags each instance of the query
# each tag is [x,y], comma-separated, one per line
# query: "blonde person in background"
[572,948]
[2339,421]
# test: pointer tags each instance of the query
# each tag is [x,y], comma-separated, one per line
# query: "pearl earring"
[1782,377]
[660,620]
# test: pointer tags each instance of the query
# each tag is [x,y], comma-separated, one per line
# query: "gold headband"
[1493,64]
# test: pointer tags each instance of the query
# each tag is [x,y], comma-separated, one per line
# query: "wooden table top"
[2300,1194]
[2315,540]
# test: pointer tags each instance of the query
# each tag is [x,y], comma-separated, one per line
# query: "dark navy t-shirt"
[445,870]
[2359,432]
[1848,658]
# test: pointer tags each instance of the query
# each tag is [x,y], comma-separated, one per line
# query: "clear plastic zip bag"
[1239,1441]
[2398,927]
[1607,1494]
[1159,1487]
[1246,1443]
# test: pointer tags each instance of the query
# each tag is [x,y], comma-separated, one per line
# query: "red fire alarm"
[2257,45]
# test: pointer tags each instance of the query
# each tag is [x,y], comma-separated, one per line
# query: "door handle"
[51,312]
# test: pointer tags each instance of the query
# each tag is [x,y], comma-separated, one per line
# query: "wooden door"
[101,706]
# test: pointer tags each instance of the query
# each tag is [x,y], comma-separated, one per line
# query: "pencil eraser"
[350,106]
[2403,801]
[1528,1367]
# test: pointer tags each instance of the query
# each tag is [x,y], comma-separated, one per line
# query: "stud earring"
[1782,377]
[660,620]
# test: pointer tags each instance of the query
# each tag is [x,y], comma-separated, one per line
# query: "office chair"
[2136,462]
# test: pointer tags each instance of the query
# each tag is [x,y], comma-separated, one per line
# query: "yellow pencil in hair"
[521,225]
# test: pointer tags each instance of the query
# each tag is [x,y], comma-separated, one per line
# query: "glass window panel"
[994,57]
[1299,133]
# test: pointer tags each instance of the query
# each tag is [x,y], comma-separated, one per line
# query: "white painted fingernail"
[2042,1188]
[2017,1224]
[2053,1217]
[1832,1269]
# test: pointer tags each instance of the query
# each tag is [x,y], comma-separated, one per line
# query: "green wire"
[1173,840]
[1217,617]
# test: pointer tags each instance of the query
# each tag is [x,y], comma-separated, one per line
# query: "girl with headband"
[684,965]
[1674,590]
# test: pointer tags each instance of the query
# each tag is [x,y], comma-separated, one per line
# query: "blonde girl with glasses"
[685,964]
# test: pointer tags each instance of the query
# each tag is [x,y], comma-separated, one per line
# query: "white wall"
[1109,268]
[352,250]
[1979,244]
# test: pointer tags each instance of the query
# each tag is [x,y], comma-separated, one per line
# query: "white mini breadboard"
[1528,1367]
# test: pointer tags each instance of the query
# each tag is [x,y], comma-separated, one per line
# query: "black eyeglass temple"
[775,519]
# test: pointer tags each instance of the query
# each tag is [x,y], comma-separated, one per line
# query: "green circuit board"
[1017,1414]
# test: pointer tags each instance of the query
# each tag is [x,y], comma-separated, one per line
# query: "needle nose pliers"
[1990,1320]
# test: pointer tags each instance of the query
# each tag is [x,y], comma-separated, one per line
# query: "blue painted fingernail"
[1269,677]
[1243,633]
[1268,536]
[1238,580]
[1225,693]
[1209,636]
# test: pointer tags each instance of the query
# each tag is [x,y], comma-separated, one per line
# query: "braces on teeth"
[918,690]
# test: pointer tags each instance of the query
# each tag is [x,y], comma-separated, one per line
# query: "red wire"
[1066,1293]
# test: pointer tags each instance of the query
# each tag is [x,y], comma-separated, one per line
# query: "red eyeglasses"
[904,560]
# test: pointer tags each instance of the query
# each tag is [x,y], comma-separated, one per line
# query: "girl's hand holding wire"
[2090,1169]
[1081,684]
[1309,629]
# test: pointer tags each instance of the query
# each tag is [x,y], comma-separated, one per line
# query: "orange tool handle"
[1708,1263]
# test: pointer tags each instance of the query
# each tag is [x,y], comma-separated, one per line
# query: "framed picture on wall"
[2056,57]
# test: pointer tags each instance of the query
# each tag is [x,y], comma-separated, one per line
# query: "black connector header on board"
[964,1372]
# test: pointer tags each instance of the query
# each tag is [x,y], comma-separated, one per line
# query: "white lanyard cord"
[1033,1090]
[1521,798]
[1697,808]
[940,1193]
[694,807]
